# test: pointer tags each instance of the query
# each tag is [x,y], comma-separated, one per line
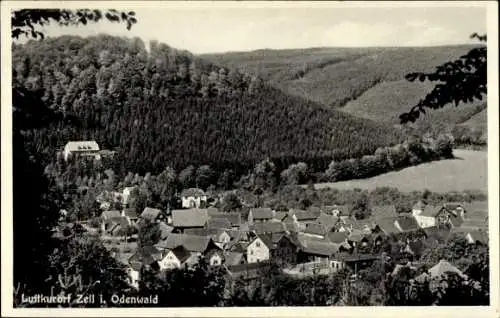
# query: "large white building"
[82,148]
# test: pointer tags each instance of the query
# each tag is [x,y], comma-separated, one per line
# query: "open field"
[467,172]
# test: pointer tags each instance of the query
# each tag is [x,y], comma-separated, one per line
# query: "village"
[321,240]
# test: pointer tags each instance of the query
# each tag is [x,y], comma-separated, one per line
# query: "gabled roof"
[442,268]
[261,213]
[328,221]
[266,239]
[189,217]
[150,214]
[388,210]
[407,223]
[387,225]
[431,210]
[437,233]
[192,243]
[218,224]
[82,146]
[234,218]
[313,246]
[144,256]
[181,253]
[111,214]
[358,236]
[193,192]
[268,227]
[315,229]
[235,258]
[337,237]
[302,215]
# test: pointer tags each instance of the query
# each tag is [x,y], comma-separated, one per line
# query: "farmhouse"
[188,219]
[81,148]
[174,258]
[197,245]
[259,249]
[193,198]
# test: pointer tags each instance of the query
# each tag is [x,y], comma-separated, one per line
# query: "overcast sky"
[220,29]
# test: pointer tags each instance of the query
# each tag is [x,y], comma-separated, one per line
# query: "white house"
[259,249]
[82,148]
[193,198]
[174,258]
[431,215]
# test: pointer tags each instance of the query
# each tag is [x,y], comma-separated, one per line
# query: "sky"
[222,28]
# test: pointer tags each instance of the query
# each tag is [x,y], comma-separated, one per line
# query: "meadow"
[468,171]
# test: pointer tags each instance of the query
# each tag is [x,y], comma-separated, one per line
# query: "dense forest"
[159,107]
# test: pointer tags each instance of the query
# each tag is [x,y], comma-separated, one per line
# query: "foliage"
[462,80]
[26,21]
[231,202]
[149,233]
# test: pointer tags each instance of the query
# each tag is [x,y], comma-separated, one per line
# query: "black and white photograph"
[275,155]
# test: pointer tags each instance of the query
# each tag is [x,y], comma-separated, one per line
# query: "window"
[257,244]
[251,252]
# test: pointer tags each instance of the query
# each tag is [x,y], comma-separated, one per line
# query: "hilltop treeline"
[161,107]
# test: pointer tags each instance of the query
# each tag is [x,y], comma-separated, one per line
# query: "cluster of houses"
[304,242]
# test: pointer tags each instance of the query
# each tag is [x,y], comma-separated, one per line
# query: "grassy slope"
[467,172]
[369,81]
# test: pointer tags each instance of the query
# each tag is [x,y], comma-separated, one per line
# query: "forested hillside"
[160,107]
[365,82]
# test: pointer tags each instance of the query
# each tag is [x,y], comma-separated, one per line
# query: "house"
[127,191]
[146,257]
[88,148]
[286,252]
[259,249]
[151,214]
[115,225]
[301,218]
[316,230]
[133,272]
[218,224]
[234,218]
[406,223]
[315,250]
[131,214]
[235,258]
[354,261]
[337,237]
[328,221]
[189,218]
[268,228]
[259,215]
[340,211]
[174,258]
[441,269]
[193,198]
[383,211]
[477,237]
[358,238]
[249,273]
[386,225]
[196,245]
[418,207]
[430,215]
[314,210]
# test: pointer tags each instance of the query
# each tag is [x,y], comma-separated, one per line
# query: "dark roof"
[268,227]
[380,211]
[387,225]
[262,213]
[189,217]
[431,210]
[437,233]
[337,237]
[218,224]
[181,253]
[328,221]
[316,229]
[144,256]
[358,236]
[407,223]
[266,239]
[150,213]
[192,243]
[192,192]
[234,218]
[165,230]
